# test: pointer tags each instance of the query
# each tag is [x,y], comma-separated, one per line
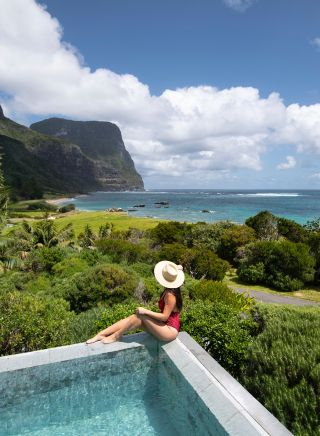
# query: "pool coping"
[15,362]
[247,404]
[207,377]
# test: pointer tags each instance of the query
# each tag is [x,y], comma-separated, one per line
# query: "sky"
[207,93]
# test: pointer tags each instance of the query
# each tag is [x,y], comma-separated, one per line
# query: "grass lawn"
[121,221]
[308,294]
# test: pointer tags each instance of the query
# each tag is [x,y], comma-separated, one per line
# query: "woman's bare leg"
[158,329]
[133,322]
[110,330]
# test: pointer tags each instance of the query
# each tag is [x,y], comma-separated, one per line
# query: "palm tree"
[87,238]
[43,234]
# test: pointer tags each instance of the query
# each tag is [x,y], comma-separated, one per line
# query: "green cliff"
[65,157]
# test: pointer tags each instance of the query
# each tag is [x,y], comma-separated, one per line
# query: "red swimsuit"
[174,318]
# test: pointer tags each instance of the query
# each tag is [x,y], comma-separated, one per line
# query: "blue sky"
[207,93]
[177,43]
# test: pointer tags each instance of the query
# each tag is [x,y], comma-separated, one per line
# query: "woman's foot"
[96,338]
[109,339]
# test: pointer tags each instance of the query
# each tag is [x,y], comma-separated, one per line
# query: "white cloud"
[239,5]
[315,176]
[290,163]
[316,42]
[197,132]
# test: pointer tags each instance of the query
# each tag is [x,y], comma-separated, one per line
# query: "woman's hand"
[140,311]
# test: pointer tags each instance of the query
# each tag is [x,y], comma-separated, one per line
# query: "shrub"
[67,208]
[173,252]
[265,225]
[282,367]
[232,239]
[104,283]
[92,257]
[170,232]
[84,325]
[291,230]
[254,273]
[203,263]
[209,235]
[42,206]
[30,323]
[41,285]
[87,238]
[220,330]
[44,259]
[142,269]
[14,281]
[286,265]
[68,267]
[220,292]
[124,251]
[118,311]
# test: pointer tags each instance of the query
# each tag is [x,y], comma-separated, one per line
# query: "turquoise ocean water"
[207,205]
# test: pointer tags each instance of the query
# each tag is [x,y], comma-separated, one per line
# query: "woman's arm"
[169,300]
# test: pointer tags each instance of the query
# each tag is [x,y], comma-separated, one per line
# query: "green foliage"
[204,263]
[30,323]
[92,257]
[174,252]
[314,244]
[69,266]
[252,273]
[313,225]
[87,238]
[43,233]
[44,259]
[67,208]
[40,205]
[124,251]
[40,285]
[105,230]
[265,225]
[208,235]
[220,292]
[142,269]
[232,239]
[102,284]
[220,330]
[111,315]
[283,367]
[286,265]
[84,325]
[170,232]
[4,199]
[291,230]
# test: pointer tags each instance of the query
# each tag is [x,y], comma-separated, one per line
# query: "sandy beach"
[58,200]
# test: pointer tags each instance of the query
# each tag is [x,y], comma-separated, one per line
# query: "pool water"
[136,391]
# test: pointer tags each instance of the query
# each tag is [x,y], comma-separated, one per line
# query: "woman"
[164,326]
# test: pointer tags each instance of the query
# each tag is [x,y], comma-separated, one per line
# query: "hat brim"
[163,282]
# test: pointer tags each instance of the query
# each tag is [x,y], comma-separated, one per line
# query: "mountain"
[35,162]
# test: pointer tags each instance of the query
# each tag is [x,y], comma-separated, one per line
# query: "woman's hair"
[177,293]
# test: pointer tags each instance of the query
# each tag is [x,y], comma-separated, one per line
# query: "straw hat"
[169,274]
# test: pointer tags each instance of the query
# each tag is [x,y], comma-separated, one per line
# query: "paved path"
[273,298]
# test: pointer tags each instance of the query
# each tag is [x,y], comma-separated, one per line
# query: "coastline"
[59,200]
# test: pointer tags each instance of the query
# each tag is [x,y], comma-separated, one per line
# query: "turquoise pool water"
[129,392]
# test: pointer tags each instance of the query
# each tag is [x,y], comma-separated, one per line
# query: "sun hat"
[169,274]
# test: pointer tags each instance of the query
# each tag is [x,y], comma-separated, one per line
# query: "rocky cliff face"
[57,164]
[102,143]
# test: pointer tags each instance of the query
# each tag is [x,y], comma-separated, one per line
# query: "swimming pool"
[135,387]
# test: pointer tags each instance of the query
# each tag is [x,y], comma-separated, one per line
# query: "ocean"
[207,205]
